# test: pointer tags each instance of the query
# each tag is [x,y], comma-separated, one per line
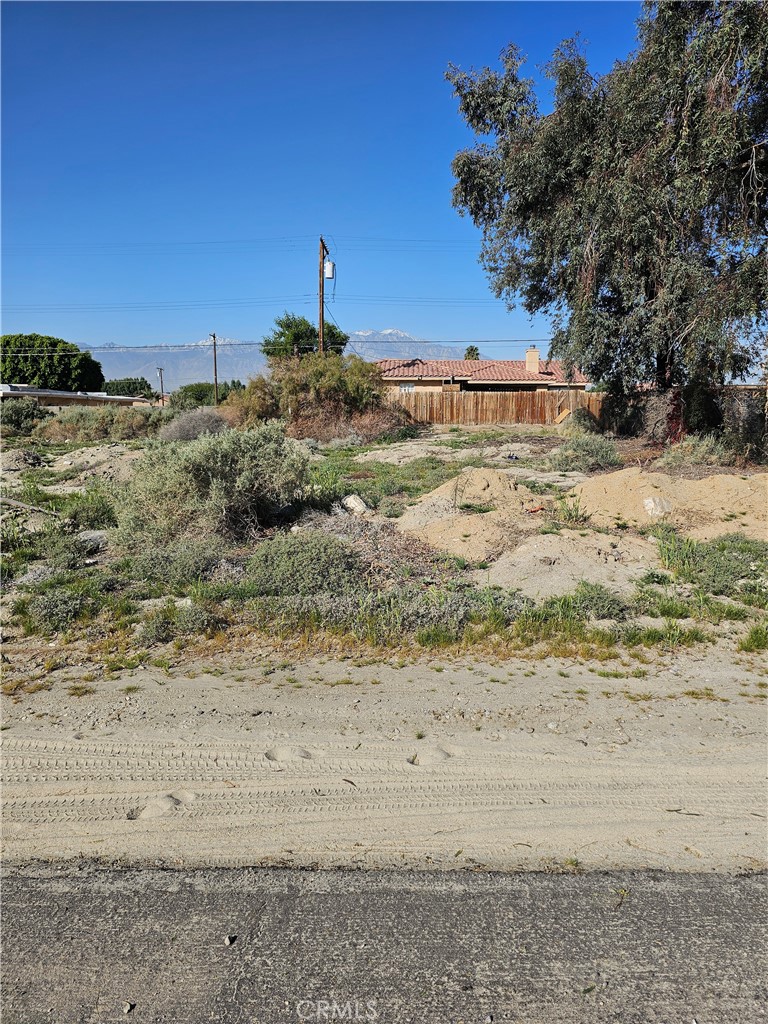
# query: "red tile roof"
[510,371]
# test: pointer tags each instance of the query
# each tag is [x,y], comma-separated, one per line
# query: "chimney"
[532,359]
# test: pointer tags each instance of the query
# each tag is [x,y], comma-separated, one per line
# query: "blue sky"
[168,167]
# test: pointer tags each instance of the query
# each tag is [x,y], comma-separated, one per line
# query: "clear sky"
[169,167]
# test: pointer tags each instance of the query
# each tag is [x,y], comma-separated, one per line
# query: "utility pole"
[324,251]
[162,391]
[215,372]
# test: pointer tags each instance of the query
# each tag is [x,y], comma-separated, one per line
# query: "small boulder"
[92,541]
[354,503]
[657,506]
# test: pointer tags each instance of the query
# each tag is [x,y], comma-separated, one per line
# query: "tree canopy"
[136,387]
[45,362]
[191,396]
[635,213]
[296,336]
[472,352]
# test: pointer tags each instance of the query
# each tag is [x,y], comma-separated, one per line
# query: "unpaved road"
[324,763]
[636,948]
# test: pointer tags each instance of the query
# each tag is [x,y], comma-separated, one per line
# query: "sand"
[446,518]
[547,565]
[725,503]
[234,767]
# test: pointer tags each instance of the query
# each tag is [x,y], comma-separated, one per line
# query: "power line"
[225,346]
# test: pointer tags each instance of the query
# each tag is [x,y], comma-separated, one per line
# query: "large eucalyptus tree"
[635,213]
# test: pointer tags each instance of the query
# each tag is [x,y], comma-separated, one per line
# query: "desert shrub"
[64,551]
[21,415]
[226,484]
[581,421]
[697,450]
[188,426]
[100,423]
[256,403]
[55,610]
[176,565]
[594,601]
[169,622]
[585,453]
[303,563]
[435,615]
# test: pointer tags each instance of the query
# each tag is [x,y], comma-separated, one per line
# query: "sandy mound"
[451,518]
[114,462]
[726,503]
[551,564]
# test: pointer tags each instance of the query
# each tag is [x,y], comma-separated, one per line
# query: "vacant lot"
[508,650]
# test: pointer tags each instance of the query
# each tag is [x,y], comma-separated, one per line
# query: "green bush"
[585,453]
[21,415]
[303,563]
[228,484]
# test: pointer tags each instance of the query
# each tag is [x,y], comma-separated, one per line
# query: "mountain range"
[239,360]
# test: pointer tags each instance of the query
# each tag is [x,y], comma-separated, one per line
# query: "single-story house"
[491,375]
[52,399]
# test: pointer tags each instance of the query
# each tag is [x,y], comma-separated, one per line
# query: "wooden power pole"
[162,392]
[324,251]
[215,373]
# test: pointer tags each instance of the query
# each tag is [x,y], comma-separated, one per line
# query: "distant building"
[492,375]
[62,399]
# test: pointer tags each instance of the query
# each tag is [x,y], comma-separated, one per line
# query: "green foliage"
[332,385]
[472,352]
[432,616]
[91,510]
[756,639]
[294,336]
[635,212]
[55,610]
[585,453]
[304,563]
[226,484]
[256,403]
[733,565]
[46,362]
[191,396]
[21,415]
[135,387]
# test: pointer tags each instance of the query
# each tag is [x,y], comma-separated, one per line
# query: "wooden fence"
[493,407]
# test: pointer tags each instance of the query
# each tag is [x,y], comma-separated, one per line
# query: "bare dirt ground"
[440,763]
[242,754]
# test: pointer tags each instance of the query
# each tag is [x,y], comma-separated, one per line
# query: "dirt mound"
[477,515]
[17,460]
[113,462]
[548,565]
[724,503]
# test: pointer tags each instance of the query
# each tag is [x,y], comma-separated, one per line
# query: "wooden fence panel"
[476,408]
